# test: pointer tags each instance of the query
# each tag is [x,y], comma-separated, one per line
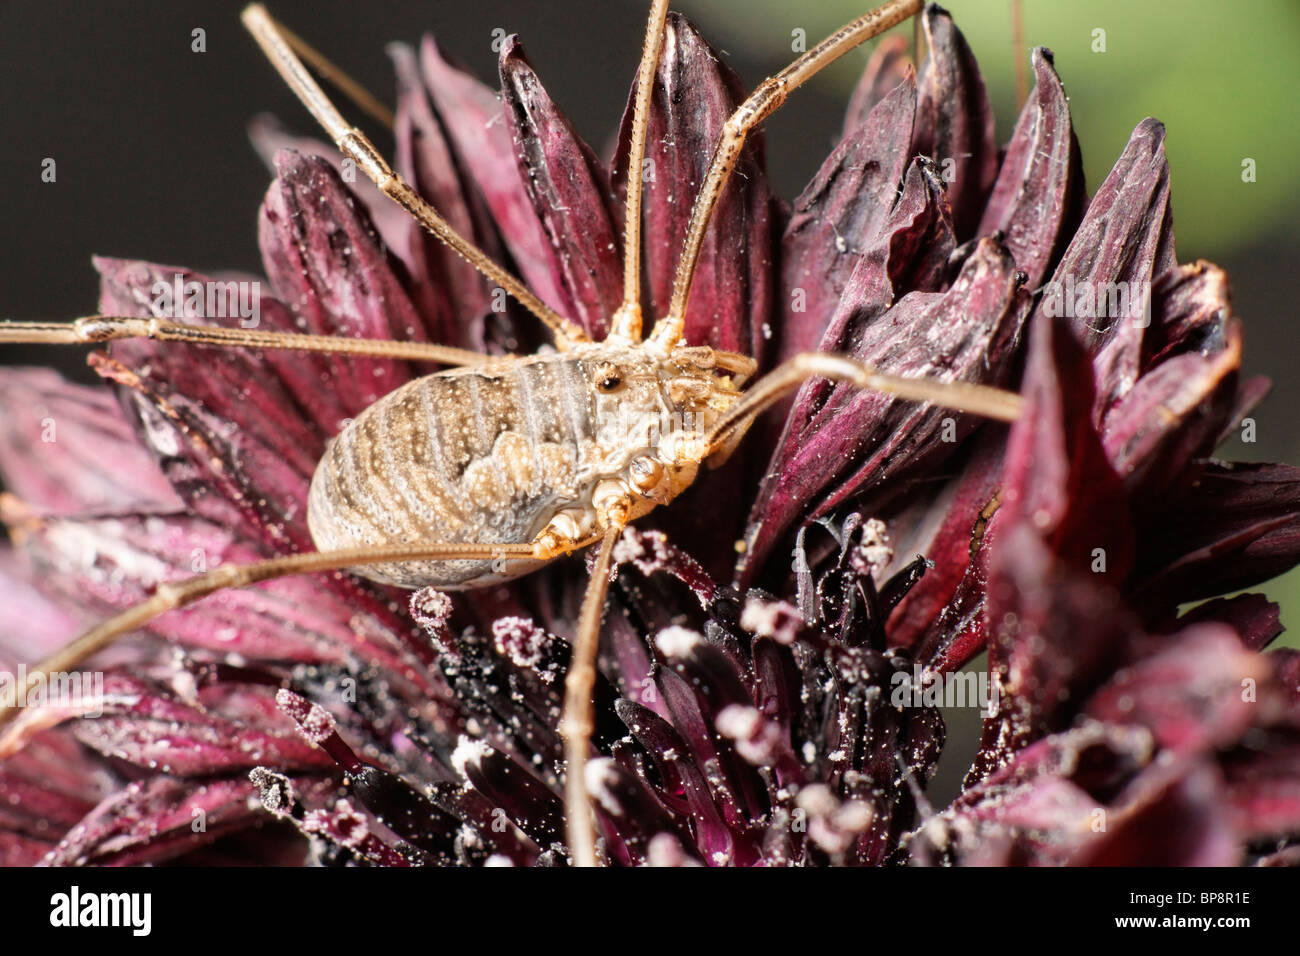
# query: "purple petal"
[68,448]
[44,790]
[1060,504]
[889,65]
[1189,694]
[329,267]
[954,122]
[570,195]
[1038,196]
[1237,526]
[153,821]
[110,564]
[1256,620]
[1171,815]
[230,437]
[1177,410]
[475,120]
[861,442]
[835,220]
[147,727]
[1122,244]
[444,285]
[392,222]
[680,776]
[1263,787]
[731,299]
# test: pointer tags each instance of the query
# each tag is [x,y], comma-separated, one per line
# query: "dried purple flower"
[753,723]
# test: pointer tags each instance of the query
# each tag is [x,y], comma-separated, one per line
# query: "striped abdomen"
[482,454]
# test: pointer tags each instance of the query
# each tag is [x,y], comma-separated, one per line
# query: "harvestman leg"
[981,400]
[174,595]
[762,103]
[625,327]
[349,87]
[105,328]
[279,49]
[578,720]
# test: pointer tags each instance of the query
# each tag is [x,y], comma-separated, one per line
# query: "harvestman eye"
[606,377]
[493,541]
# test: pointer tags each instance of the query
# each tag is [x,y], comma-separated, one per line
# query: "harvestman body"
[482,473]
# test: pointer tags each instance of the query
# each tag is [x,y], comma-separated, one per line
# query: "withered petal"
[889,64]
[954,122]
[329,267]
[475,120]
[835,220]
[693,96]
[1039,195]
[858,442]
[67,449]
[569,192]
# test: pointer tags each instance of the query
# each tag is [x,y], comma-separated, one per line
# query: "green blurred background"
[1224,79]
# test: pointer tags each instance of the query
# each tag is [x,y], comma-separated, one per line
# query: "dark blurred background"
[153,161]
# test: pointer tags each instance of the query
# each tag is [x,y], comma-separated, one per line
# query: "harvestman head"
[572,484]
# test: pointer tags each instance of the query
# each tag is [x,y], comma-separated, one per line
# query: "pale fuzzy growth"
[314,721]
[666,850]
[775,619]
[600,778]
[833,825]
[677,641]
[431,609]
[468,750]
[275,790]
[647,551]
[343,824]
[875,551]
[756,739]
[521,640]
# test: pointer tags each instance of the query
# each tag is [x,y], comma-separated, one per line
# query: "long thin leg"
[762,103]
[354,144]
[578,720]
[104,328]
[785,378]
[178,594]
[625,326]
[349,87]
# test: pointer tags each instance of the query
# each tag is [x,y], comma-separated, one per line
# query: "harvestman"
[572,481]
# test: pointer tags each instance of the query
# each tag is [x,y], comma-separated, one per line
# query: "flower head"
[771,712]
